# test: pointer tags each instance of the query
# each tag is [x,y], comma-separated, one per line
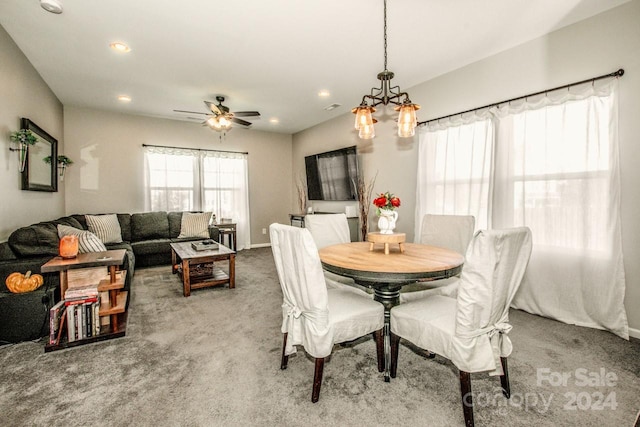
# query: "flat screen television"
[333,175]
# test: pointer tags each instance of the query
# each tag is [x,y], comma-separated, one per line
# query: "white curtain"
[179,179]
[555,170]
[225,191]
[454,169]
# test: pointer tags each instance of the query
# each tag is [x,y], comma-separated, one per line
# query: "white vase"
[387,221]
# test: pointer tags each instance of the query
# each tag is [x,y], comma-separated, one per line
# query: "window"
[549,164]
[199,180]
[560,174]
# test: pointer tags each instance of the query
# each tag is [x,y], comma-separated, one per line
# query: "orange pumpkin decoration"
[20,283]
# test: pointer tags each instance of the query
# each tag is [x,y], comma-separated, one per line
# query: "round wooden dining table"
[387,273]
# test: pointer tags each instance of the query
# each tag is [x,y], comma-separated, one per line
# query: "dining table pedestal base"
[389,297]
[387,273]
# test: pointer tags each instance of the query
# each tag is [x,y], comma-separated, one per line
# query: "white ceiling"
[268,55]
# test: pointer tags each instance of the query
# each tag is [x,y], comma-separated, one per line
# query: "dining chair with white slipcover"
[470,330]
[312,315]
[452,232]
[333,229]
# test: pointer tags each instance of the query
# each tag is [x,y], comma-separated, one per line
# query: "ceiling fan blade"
[213,107]
[241,122]
[189,112]
[246,113]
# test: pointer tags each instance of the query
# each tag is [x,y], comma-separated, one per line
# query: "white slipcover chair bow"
[452,232]
[471,330]
[312,315]
[333,229]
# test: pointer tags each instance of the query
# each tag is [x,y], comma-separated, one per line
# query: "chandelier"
[386,94]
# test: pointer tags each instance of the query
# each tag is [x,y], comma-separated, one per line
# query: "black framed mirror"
[38,175]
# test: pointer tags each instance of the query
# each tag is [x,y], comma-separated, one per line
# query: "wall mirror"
[38,175]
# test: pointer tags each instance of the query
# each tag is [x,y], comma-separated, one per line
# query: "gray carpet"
[214,359]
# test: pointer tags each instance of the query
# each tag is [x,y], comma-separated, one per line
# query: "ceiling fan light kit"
[386,94]
[221,119]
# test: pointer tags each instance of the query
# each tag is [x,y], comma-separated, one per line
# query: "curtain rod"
[196,149]
[618,73]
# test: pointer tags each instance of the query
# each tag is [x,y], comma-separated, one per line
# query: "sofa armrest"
[214,233]
[22,265]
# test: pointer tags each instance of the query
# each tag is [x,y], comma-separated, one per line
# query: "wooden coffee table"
[197,268]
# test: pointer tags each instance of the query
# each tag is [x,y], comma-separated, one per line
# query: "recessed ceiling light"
[124,98]
[274,120]
[120,47]
[53,6]
[324,93]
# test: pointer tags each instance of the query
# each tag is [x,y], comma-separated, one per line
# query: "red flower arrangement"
[386,201]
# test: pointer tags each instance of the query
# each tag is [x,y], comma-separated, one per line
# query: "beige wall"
[389,159]
[23,93]
[108,174]
[593,47]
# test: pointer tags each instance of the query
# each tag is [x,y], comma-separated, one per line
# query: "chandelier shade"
[407,120]
[386,94]
[219,123]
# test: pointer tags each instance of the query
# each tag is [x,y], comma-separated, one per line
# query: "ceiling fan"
[220,118]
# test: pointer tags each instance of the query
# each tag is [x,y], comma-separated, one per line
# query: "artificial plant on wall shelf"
[63,162]
[24,138]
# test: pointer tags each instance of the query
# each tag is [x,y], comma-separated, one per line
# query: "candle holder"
[68,247]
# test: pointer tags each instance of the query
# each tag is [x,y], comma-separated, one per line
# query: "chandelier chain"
[386,94]
[385,35]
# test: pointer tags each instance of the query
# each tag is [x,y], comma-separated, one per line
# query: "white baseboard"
[261,245]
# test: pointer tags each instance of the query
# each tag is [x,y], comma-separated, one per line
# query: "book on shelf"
[71,323]
[55,317]
[81,300]
[81,291]
[88,316]
[82,330]
[83,321]
[96,318]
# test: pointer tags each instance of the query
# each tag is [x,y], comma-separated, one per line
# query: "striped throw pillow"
[87,241]
[195,225]
[106,227]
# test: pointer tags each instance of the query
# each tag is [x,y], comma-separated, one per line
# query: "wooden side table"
[227,229]
[386,239]
[87,269]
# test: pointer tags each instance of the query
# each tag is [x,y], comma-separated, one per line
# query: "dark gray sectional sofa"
[146,238]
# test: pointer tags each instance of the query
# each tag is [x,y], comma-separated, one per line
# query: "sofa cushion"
[195,225]
[148,226]
[175,222]
[149,247]
[35,240]
[67,220]
[123,219]
[25,316]
[106,227]
[87,241]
